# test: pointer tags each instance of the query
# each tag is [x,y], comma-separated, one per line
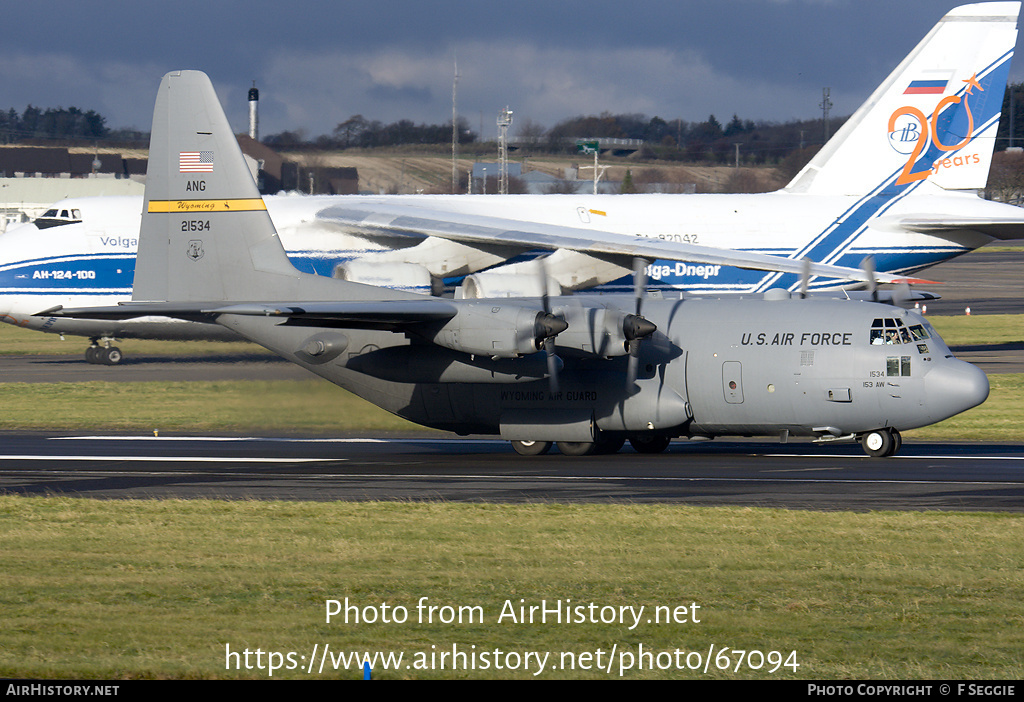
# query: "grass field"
[161,589]
[277,406]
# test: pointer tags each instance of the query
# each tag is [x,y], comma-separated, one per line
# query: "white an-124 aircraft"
[897,183]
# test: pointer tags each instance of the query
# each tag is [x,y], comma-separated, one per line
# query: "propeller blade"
[805,277]
[542,272]
[554,363]
[639,282]
[901,295]
[549,326]
[868,266]
[634,326]
[631,368]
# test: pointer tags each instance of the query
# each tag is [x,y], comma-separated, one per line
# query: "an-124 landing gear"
[105,354]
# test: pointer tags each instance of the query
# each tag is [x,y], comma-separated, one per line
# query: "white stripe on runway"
[169,459]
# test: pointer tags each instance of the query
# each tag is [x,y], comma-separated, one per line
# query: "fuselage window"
[905,366]
[892,366]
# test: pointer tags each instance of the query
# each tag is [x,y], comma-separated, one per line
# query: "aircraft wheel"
[897,442]
[649,443]
[90,354]
[577,448]
[110,356]
[531,448]
[878,443]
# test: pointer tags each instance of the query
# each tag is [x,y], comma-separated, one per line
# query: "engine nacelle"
[493,284]
[496,330]
[599,331]
[410,277]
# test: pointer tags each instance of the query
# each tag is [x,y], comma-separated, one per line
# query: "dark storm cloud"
[318,62]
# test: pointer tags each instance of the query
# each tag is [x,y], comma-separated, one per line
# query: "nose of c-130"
[953,387]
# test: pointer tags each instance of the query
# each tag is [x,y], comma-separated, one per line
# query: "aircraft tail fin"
[206,234]
[933,119]
[202,208]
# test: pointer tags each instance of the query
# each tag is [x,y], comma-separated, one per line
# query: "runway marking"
[899,457]
[284,440]
[168,459]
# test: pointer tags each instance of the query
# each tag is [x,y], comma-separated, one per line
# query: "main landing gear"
[881,442]
[604,445]
[105,355]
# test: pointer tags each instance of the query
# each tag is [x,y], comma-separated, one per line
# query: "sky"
[318,62]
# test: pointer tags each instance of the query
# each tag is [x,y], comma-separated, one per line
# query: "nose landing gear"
[881,442]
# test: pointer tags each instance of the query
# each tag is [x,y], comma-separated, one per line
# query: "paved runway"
[925,476]
[989,282]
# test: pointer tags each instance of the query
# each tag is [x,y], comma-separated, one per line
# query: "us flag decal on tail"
[195,162]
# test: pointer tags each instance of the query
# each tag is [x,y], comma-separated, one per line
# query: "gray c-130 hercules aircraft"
[585,372]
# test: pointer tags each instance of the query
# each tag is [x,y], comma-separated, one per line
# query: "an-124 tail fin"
[934,119]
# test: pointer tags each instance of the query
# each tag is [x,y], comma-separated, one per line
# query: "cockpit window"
[56,218]
[889,330]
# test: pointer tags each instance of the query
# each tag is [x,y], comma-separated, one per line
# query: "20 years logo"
[911,132]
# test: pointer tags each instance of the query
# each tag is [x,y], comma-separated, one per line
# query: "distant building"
[269,164]
[32,178]
[57,162]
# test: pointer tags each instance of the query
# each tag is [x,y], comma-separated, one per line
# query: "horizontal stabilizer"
[384,314]
[1002,229]
[381,314]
